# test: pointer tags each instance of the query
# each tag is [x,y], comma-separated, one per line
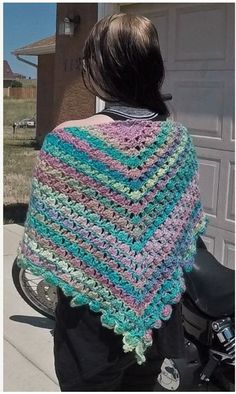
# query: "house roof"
[7,71]
[41,47]
[8,74]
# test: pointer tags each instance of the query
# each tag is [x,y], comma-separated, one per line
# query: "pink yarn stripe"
[92,272]
[151,246]
[135,208]
[114,164]
[105,282]
[147,273]
[111,133]
[58,185]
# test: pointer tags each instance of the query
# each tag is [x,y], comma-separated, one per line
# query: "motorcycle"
[37,293]
[208,320]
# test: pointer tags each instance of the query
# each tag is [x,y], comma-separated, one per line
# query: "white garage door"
[197,42]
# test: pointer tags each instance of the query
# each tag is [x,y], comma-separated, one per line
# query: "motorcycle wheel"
[174,376]
[35,291]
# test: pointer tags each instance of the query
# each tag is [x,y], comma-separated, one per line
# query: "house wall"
[71,98]
[7,83]
[45,91]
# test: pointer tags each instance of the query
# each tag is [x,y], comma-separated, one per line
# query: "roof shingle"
[41,47]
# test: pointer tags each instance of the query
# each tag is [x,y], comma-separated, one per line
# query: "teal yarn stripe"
[78,298]
[132,315]
[36,208]
[132,338]
[133,162]
[81,254]
[135,324]
[77,251]
[122,236]
[152,206]
[35,204]
[56,147]
[73,164]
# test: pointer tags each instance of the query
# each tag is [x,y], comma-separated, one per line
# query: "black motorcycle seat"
[211,285]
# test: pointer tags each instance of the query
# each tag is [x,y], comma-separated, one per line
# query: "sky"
[24,23]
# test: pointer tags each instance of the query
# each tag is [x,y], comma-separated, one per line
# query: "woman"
[114,216]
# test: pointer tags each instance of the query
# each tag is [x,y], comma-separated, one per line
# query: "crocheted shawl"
[113,218]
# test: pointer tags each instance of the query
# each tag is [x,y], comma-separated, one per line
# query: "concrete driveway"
[28,342]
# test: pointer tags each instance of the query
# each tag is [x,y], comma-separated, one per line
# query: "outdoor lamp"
[69,25]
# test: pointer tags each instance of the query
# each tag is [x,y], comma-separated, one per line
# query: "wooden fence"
[20,93]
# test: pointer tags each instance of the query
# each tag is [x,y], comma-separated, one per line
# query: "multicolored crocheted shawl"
[113,219]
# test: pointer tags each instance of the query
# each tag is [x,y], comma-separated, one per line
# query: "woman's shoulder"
[92,120]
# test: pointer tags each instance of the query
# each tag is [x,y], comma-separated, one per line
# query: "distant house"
[19,76]
[45,50]
[9,76]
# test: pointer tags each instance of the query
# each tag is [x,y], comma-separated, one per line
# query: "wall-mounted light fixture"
[69,25]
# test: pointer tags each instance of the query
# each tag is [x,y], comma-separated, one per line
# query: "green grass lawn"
[15,110]
[20,154]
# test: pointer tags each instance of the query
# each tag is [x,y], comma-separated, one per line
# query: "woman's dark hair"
[122,62]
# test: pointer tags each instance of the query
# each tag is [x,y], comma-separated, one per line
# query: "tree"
[16,84]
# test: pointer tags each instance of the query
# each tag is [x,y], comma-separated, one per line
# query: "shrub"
[16,84]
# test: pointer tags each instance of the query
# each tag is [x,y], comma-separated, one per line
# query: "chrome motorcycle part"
[225,333]
[169,377]
[180,374]
[35,291]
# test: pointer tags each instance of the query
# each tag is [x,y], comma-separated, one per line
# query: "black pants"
[89,357]
[126,376]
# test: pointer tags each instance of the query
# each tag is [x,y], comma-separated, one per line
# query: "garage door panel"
[229,106]
[203,101]
[226,214]
[230,215]
[229,253]
[200,107]
[209,242]
[232,127]
[216,180]
[220,243]
[200,33]
[202,37]
[209,171]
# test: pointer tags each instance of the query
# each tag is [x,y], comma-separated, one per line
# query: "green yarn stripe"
[123,158]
